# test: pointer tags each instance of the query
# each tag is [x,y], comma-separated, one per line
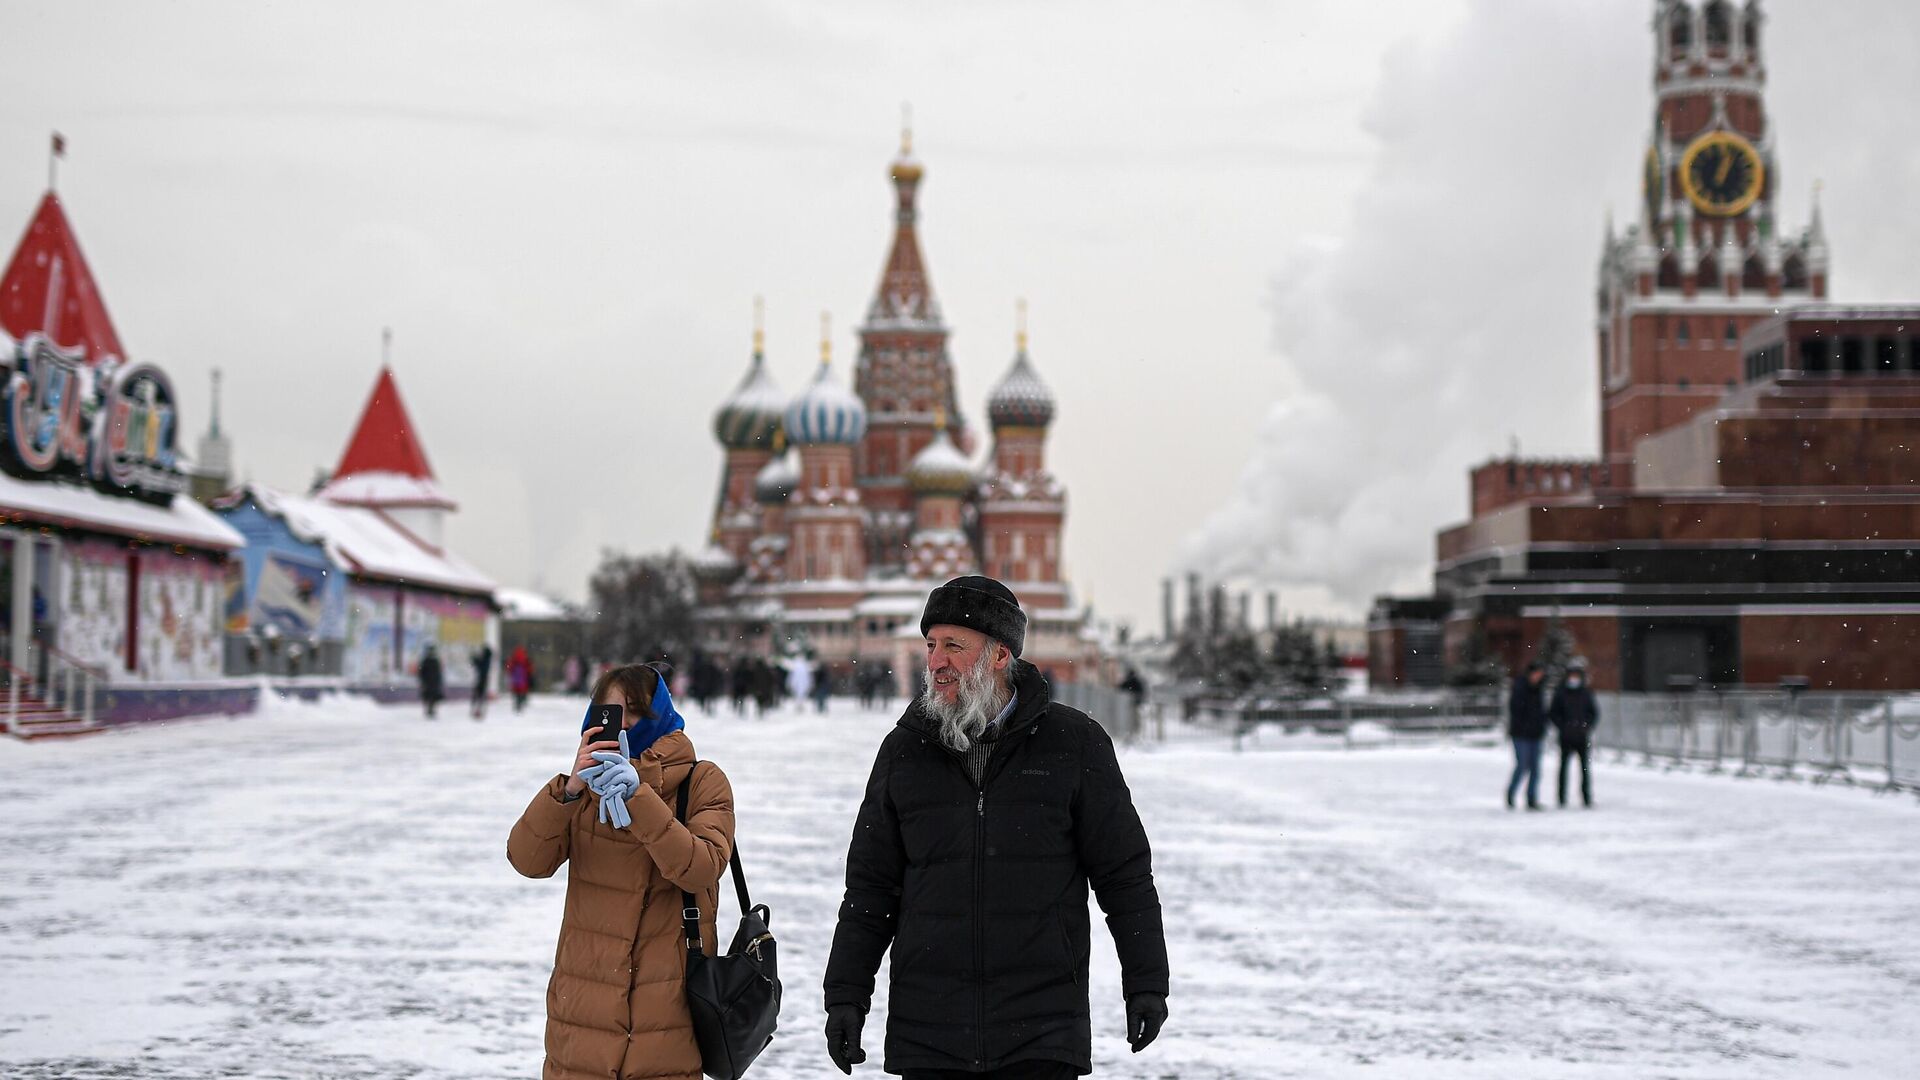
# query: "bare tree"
[642,608]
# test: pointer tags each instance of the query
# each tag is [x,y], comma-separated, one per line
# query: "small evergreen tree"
[1555,650]
[1476,667]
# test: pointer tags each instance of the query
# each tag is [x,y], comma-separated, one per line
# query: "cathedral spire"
[905,296]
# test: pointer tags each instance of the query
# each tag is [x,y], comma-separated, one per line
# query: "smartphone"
[607,719]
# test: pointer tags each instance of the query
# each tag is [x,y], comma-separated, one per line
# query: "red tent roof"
[49,289]
[384,440]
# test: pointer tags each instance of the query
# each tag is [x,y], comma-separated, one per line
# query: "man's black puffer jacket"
[982,891]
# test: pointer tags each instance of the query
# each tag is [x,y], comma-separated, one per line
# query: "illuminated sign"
[109,423]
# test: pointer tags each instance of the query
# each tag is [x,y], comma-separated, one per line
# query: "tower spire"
[826,338]
[1020,325]
[759,325]
[905,296]
[214,430]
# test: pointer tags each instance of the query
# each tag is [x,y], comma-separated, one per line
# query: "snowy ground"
[322,891]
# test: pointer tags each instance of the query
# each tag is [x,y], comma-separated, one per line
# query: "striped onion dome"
[776,480]
[1020,399]
[940,468]
[826,414]
[750,415]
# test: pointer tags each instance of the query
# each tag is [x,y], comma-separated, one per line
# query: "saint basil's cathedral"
[841,508]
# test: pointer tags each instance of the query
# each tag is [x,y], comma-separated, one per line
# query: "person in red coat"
[520,676]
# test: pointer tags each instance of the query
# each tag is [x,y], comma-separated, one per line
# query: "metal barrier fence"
[1113,709]
[1851,738]
[1438,715]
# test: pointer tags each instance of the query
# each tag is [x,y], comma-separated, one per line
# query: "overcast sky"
[1291,267]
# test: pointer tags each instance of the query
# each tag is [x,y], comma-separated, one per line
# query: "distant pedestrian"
[799,674]
[822,687]
[1576,712]
[519,676]
[482,670]
[433,681]
[740,684]
[575,673]
[1527,725]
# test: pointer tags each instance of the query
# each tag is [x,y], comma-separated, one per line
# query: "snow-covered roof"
[182,521]
[390,489]
[904,604]
[529,605]
[369,543]
[818,615]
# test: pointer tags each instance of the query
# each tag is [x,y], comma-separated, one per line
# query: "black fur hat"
[978,603]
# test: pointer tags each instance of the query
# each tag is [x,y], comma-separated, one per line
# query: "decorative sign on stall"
[111,424]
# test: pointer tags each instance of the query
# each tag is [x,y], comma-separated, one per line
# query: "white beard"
[972,709]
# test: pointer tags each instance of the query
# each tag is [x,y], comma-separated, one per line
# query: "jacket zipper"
[980,887]
[980,925]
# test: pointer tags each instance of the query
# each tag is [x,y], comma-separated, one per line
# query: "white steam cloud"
[1456,311]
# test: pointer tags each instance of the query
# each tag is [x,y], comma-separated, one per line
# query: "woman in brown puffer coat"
[616,1006]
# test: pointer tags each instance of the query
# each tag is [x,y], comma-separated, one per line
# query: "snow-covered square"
[321,890]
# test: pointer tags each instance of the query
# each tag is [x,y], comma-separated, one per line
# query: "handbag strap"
[689,906]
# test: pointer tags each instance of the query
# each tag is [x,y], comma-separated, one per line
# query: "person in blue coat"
[1527,726]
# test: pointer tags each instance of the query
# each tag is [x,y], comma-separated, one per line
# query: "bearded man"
[989,812]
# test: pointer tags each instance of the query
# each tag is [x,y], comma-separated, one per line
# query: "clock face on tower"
[1722,173]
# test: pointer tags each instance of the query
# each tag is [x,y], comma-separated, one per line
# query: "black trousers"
[1582,750]
[1019,1070]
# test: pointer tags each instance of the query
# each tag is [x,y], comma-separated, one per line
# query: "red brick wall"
[1836,652]
[1385,647]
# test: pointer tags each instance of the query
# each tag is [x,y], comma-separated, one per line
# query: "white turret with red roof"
[384,468]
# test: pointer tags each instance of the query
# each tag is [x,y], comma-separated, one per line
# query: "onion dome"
[940,468]
[906,167]
[1020,399]
[826,413]
[776,480]
[750,415]
[715,565]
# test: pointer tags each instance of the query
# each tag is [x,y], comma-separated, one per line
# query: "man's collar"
[1013,701]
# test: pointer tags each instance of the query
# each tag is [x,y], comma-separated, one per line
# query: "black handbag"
[735,997]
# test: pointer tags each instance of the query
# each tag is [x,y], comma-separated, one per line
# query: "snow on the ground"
[322,891]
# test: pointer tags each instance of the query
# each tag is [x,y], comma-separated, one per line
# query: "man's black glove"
[843,1035]
[1146,1012]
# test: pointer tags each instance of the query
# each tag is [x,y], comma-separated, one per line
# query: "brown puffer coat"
[616,1006]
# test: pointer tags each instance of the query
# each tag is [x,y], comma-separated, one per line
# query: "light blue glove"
[615,781]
